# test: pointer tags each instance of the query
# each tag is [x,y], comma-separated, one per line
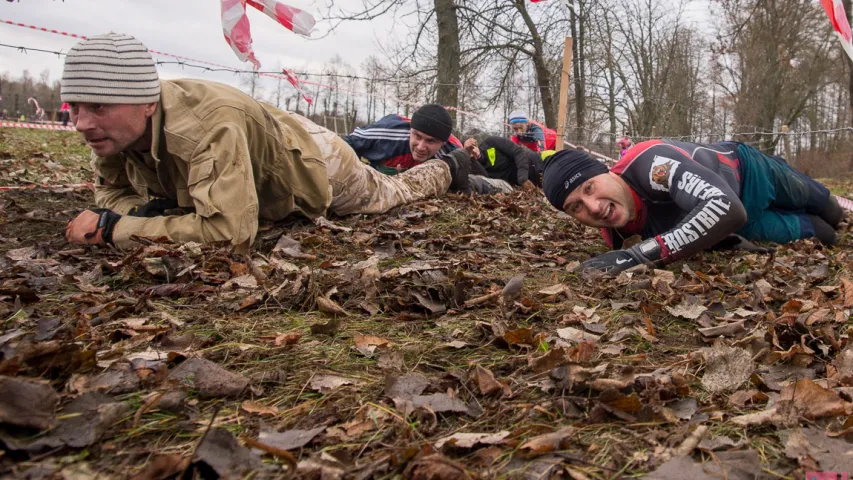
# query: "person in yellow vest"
[502,159]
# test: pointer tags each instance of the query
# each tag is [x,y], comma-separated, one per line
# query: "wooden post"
[565,77]
[787,143]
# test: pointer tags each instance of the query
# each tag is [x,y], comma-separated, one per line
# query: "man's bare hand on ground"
[86,222]
[528,186]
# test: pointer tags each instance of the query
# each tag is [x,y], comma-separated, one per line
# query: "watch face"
[649,246]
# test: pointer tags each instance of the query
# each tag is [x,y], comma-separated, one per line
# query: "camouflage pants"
[359,188]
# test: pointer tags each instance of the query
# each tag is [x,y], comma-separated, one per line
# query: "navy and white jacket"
[687,195]
[385,143]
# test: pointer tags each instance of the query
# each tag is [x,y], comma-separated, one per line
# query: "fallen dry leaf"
[209,379]
[469,440]
[521,336]
[687,310]
[549,442]
[329,306]
[366,340]
[731,465]
[327,383]
[291,248]
[289,439]
[405,386]
[163,467]
[83,422]
[224,454]
[255,407]
[848,292]
[487,383]
[440,402]
[575,335]
[554,290]
[289,338]
[812,444]
[27,403]
[435,467]
[807,399]
[759,418]
[119,378]
[552,359]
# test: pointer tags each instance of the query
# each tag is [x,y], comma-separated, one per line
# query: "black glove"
[619,260]
[107,220]
[153,208]
[736,242]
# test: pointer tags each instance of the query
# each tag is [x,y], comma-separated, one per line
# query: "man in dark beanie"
[682,198]
[195,160]
[394,144]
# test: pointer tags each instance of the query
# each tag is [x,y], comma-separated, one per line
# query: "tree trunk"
[543,76]
[578,59]
[847,7]
[447,78]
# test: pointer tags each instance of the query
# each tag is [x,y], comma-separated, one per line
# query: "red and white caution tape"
[835,11]
[291,77]
[845,203]
[38,126]
[39,110]
[235,24]
[270,75]
[90,186]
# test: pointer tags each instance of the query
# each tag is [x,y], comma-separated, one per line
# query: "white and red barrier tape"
[845,203]
[38,126]
[270,75]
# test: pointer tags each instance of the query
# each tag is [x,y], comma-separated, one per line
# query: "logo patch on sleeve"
[662,172]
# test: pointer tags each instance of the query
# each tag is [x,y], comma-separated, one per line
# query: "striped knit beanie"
[517,117]
[112,68]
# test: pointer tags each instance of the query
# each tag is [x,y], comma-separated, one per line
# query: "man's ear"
[150,108]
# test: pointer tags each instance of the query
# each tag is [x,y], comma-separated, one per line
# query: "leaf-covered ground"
[447,339]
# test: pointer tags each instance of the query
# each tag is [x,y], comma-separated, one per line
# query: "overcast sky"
[190,28]
[193,28]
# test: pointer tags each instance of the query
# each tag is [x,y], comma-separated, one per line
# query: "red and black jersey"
[687,195]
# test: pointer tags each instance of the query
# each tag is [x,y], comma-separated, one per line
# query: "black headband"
[565,171]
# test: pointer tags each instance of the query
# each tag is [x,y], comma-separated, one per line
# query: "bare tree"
[251,83]
[445,32]
[775,57]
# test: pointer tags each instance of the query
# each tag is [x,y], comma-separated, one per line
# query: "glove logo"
[620,261]
[662,171]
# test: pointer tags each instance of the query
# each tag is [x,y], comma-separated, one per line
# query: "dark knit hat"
[110,68]
[565,171]
[433,120]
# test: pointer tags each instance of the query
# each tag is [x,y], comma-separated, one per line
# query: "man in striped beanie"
[195,160]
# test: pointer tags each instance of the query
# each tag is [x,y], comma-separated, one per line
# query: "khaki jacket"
[226,157]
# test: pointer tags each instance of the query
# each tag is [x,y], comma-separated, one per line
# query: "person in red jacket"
[623,144]
[526,133]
